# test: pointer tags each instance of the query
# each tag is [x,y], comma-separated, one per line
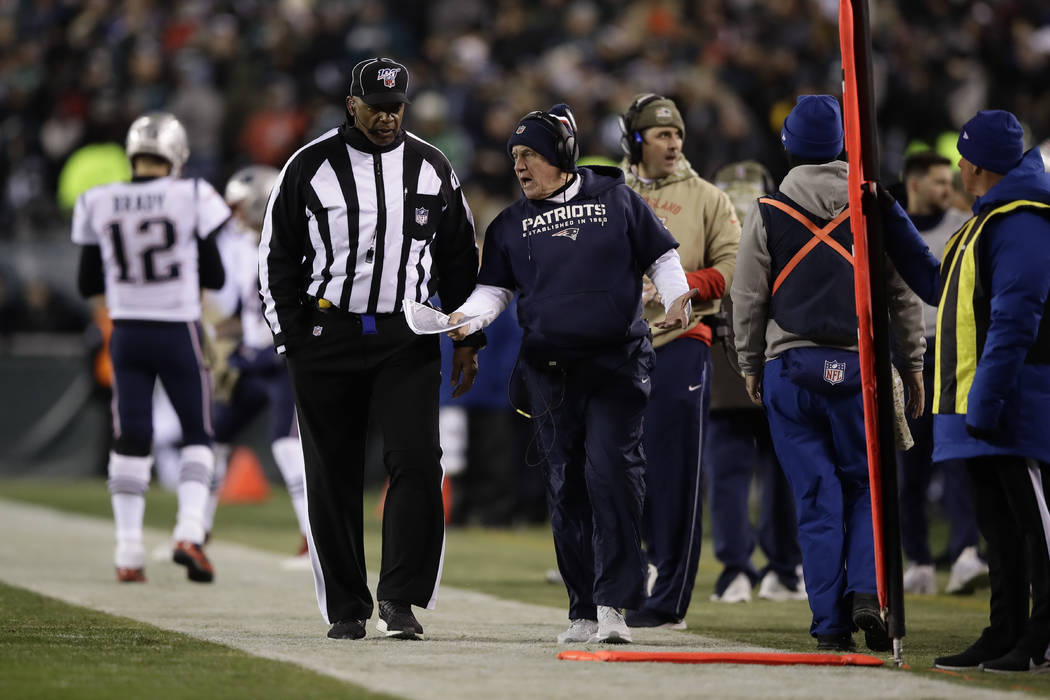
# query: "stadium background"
[254,80]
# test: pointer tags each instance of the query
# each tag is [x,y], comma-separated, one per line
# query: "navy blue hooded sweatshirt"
[577,266]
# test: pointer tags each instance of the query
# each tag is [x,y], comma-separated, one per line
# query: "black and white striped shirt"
[364,227]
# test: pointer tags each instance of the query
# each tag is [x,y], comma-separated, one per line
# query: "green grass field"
[505,563]
[49,649]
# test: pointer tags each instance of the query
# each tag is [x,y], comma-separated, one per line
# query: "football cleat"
[128,575]
[190,555]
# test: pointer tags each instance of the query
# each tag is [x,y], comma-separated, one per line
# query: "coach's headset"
[631,138]
[566,149]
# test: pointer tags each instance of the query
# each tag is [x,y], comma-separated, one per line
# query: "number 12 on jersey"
[122,246]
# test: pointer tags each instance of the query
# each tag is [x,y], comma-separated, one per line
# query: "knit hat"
[813,129]
[659,112]
[992,140]
[538,131]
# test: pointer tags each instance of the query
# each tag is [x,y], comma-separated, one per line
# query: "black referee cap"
[380,81]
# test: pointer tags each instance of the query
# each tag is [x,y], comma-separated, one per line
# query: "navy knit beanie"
[537,134]
[992,140]
[813,129]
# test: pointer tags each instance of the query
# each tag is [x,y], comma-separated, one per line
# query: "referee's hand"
[464,369]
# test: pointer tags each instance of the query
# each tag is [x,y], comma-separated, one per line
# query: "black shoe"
[973,657]
[842,641]
[866,617]
[347,629]
[1017,660]
[396,620]
[652,618]
[190,555]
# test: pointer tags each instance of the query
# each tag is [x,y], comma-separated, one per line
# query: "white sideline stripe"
[478,648]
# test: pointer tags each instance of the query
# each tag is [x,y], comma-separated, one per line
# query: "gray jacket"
[820,190]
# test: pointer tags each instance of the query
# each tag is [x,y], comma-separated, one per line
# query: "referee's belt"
[367,321]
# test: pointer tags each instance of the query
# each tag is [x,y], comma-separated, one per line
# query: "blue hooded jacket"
[1009,397]
[577,265]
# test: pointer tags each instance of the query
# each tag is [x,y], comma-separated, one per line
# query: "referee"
[360,218]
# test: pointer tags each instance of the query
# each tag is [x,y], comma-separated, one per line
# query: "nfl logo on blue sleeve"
[422,215]
[834,372]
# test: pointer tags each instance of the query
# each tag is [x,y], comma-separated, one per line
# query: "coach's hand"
[464,369]
[457,333]
[678,313]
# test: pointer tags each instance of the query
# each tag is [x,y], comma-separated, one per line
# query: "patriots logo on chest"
[567,233]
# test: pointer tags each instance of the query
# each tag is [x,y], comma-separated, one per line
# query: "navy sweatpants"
[819,439]
[588,421]
[675,426]
[915,471]
[739,447]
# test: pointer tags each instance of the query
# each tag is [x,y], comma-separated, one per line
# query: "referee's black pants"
[1010,497]
[343,378]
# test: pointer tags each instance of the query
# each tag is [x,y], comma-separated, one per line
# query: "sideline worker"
[992,377]
[796,332]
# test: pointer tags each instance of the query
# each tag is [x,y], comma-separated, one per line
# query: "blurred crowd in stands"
[253,80]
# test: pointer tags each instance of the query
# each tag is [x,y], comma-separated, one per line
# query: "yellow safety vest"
[964,311]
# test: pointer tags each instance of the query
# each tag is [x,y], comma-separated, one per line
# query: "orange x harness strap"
[819,235]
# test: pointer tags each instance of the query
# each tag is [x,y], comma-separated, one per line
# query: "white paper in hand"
[426,320]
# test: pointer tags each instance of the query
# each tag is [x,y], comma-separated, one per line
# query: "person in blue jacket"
[992,376]
[574,248]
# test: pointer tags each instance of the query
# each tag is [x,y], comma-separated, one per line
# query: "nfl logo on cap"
[388,76]
[379,81]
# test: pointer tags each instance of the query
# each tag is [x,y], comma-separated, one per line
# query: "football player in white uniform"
[254,375]
[148,245]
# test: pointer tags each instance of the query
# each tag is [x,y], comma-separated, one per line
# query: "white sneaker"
[650,579]
[612,627]
[772,588]
[919,579]
[969,572]
[738,591]
[579,631]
